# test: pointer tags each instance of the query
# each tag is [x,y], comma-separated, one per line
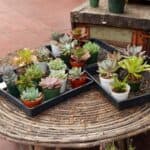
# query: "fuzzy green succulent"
[92,47]
[30,94]
[43,54]
[57,64]
[8,74]
[34,72]
[107,68]
[75,72]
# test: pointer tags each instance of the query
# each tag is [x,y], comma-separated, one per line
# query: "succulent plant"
[134,51]
[34,72]
[75,73]
[59,75]
[50,83]
[92,47]
[25,57]
[43,54]
[107,68]
[116,56]
[80,54]
[135,66]
[8,74]
[30,94]
[65,39]
[57,64]
[118,85]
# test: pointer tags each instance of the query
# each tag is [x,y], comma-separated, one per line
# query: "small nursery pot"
[121,96]
[94,3]
[34,103]
[55,50]
[63,87]
[135,86]
[116,6]
[50,93]
[13,90]
[93,58]
[79,81]
[105,83]
[77,63]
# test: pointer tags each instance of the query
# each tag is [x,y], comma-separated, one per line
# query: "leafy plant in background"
[110,146]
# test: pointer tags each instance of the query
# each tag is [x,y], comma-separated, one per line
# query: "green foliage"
[75,73]
[92,47]
[25,56]
[24,82]
[107,68]
[43,54]
[135,66]
[110,147]
[57,64]
[34,72]
[59,75]
[8,74]
[30,94]
[119,86]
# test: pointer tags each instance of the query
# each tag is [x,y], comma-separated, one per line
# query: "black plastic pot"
[116,6]
[94,3]
[93,58]
[13,90]
[135,86]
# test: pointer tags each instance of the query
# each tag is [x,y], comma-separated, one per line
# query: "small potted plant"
[134,66]
[10,78]
[43,54]
[94,50]
[116,6]
[31,97]
[94,3]
[57,65]
[77,77]
[119,89]
[50,87]
[80,34]
[106,70]
[62,76]
[79,57]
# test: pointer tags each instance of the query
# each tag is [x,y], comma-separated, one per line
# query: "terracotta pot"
[77,63]
[33,103]
[79,81]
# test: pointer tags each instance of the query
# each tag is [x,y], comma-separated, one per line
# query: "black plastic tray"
[46,104]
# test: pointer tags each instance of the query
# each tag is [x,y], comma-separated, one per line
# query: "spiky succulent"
[8,74]
[57,64]
[107,68]
[75,73]
[30,94]
[134,51]
[43,54]
[50,83]
[92,47]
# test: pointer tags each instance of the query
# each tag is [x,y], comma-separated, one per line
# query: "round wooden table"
[85,120]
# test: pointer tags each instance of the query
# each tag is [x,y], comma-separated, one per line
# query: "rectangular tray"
[46,104]
[130,102]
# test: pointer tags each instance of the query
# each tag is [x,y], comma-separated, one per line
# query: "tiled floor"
[28,23]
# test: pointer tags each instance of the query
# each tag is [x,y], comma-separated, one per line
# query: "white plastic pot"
[55,50]
[121,96]
[105,83]
[63,87]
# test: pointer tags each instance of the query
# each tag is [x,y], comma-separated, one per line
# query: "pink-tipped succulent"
[50,83]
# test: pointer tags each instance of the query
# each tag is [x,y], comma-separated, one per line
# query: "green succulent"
[57,64]
[75,72]
[59,75]
[30,94]
[107,68]
[135,66]
[43,54]
[92,47]
[34,72]
[118,85]
[56,36]
[8,74]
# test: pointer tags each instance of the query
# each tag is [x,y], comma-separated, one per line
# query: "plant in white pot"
[57,65]
[119,89]
[62,76]
[106,70]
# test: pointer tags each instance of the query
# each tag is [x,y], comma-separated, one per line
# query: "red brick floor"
[29,23]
